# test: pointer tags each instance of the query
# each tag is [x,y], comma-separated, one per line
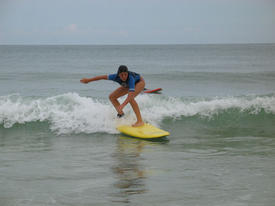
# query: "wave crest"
[71,113]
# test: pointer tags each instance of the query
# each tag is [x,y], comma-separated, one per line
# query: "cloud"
[71,28]
[123,33]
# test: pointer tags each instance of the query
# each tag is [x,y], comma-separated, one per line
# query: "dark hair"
[122,68]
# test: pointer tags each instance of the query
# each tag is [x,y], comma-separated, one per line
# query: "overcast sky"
[136,21]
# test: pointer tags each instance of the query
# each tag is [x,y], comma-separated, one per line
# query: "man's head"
[122,72]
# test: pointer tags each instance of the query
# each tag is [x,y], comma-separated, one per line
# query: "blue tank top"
[130,83]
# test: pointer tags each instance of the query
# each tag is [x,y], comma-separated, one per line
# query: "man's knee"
[112,97]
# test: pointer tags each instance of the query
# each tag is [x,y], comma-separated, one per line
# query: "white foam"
[177,107]
[71,113]
[67,113]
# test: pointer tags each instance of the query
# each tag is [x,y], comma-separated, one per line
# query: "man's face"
[123,76]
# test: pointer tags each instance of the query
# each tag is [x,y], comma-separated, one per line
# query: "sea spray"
[66,113]
[71,113]
[158,107]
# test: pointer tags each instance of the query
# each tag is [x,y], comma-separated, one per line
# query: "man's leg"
[119,92]
[138,88]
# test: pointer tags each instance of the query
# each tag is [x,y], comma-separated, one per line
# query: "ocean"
[59,144]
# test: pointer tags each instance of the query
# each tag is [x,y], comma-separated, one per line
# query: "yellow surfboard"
[146,131]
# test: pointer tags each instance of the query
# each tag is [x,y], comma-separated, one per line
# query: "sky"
[137,21]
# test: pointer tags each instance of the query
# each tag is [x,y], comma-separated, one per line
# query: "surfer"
[131,84]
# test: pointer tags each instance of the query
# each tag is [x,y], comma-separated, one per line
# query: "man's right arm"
[85,80]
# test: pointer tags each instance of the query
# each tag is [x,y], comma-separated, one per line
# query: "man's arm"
[85,80]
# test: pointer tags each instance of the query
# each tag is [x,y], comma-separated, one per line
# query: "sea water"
[59,145]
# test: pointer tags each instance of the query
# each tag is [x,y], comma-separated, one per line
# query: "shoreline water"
[59,146]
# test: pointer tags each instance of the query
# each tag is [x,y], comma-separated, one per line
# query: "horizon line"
[137,44]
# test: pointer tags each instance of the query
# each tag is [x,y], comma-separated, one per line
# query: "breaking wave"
[71,113]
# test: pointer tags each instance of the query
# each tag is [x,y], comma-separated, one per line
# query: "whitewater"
[71,113]
[59,144]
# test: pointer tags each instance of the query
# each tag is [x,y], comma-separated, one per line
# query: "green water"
[101,169]
[59,145]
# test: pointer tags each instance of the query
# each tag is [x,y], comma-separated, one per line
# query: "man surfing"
[131,84]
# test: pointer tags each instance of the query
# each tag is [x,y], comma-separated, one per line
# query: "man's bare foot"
[138,124]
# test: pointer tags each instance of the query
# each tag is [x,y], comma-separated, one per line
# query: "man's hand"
[84,81]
